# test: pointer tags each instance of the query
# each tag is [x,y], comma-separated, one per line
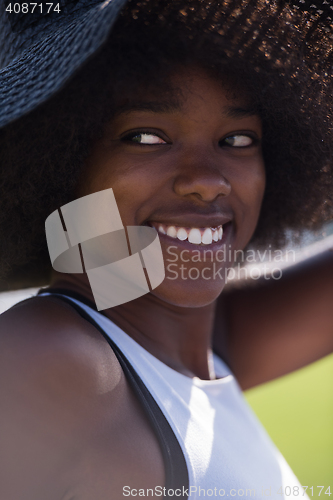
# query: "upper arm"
[280,325]
[52,383]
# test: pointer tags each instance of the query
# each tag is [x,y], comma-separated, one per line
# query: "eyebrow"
[240,112]
[152,106]
[173,106]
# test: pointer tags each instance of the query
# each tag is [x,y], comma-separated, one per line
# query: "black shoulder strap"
[174,461]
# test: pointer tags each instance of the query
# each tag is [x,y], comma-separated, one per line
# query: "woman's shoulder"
[54,391]
[51,354]
[63,396]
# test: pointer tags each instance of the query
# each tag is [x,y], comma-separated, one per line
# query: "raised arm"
[273,327]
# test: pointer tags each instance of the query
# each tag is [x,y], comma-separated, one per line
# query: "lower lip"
[185,244]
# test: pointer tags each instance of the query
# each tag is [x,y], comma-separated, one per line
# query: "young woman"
[210,122]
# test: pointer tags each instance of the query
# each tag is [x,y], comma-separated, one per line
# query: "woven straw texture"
[32,72]
[40,53]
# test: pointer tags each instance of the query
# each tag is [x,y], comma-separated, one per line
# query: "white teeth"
[171,231]
[207,237]
[194,236]
[182,234]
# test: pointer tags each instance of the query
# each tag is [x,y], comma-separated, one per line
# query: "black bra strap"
[174,461]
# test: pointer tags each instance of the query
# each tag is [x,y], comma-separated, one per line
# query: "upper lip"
[192,220]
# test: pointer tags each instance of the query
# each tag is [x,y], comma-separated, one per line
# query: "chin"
[188,293]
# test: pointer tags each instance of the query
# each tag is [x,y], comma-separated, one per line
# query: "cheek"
[133,182]
[252,185]
[257,190]
[137,193]
[249,191]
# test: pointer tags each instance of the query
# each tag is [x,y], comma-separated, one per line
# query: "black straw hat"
[41,49]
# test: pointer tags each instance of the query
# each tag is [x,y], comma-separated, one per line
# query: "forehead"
[185,88]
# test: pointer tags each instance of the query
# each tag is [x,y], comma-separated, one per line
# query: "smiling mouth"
[194,235]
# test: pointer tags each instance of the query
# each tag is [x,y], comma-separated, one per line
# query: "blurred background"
[297,409]
[297,412]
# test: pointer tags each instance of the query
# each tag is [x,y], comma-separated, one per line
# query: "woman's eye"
[144,138]
[238,141]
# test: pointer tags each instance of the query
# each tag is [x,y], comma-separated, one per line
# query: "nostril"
[207,187]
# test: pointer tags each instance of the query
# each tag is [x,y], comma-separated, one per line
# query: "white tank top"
[227,451]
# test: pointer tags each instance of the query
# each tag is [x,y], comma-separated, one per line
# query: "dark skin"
[188,176]
[280,326]
[70,411]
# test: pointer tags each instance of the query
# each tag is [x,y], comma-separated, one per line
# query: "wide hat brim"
[33,71]
[46,66]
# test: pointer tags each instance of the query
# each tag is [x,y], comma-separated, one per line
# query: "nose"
[202,181]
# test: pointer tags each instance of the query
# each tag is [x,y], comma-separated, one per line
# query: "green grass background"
[297,412]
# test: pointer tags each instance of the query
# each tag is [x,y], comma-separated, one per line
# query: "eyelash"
[128,138]
[254,140]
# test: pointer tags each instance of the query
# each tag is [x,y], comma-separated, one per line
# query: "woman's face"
[191,166]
